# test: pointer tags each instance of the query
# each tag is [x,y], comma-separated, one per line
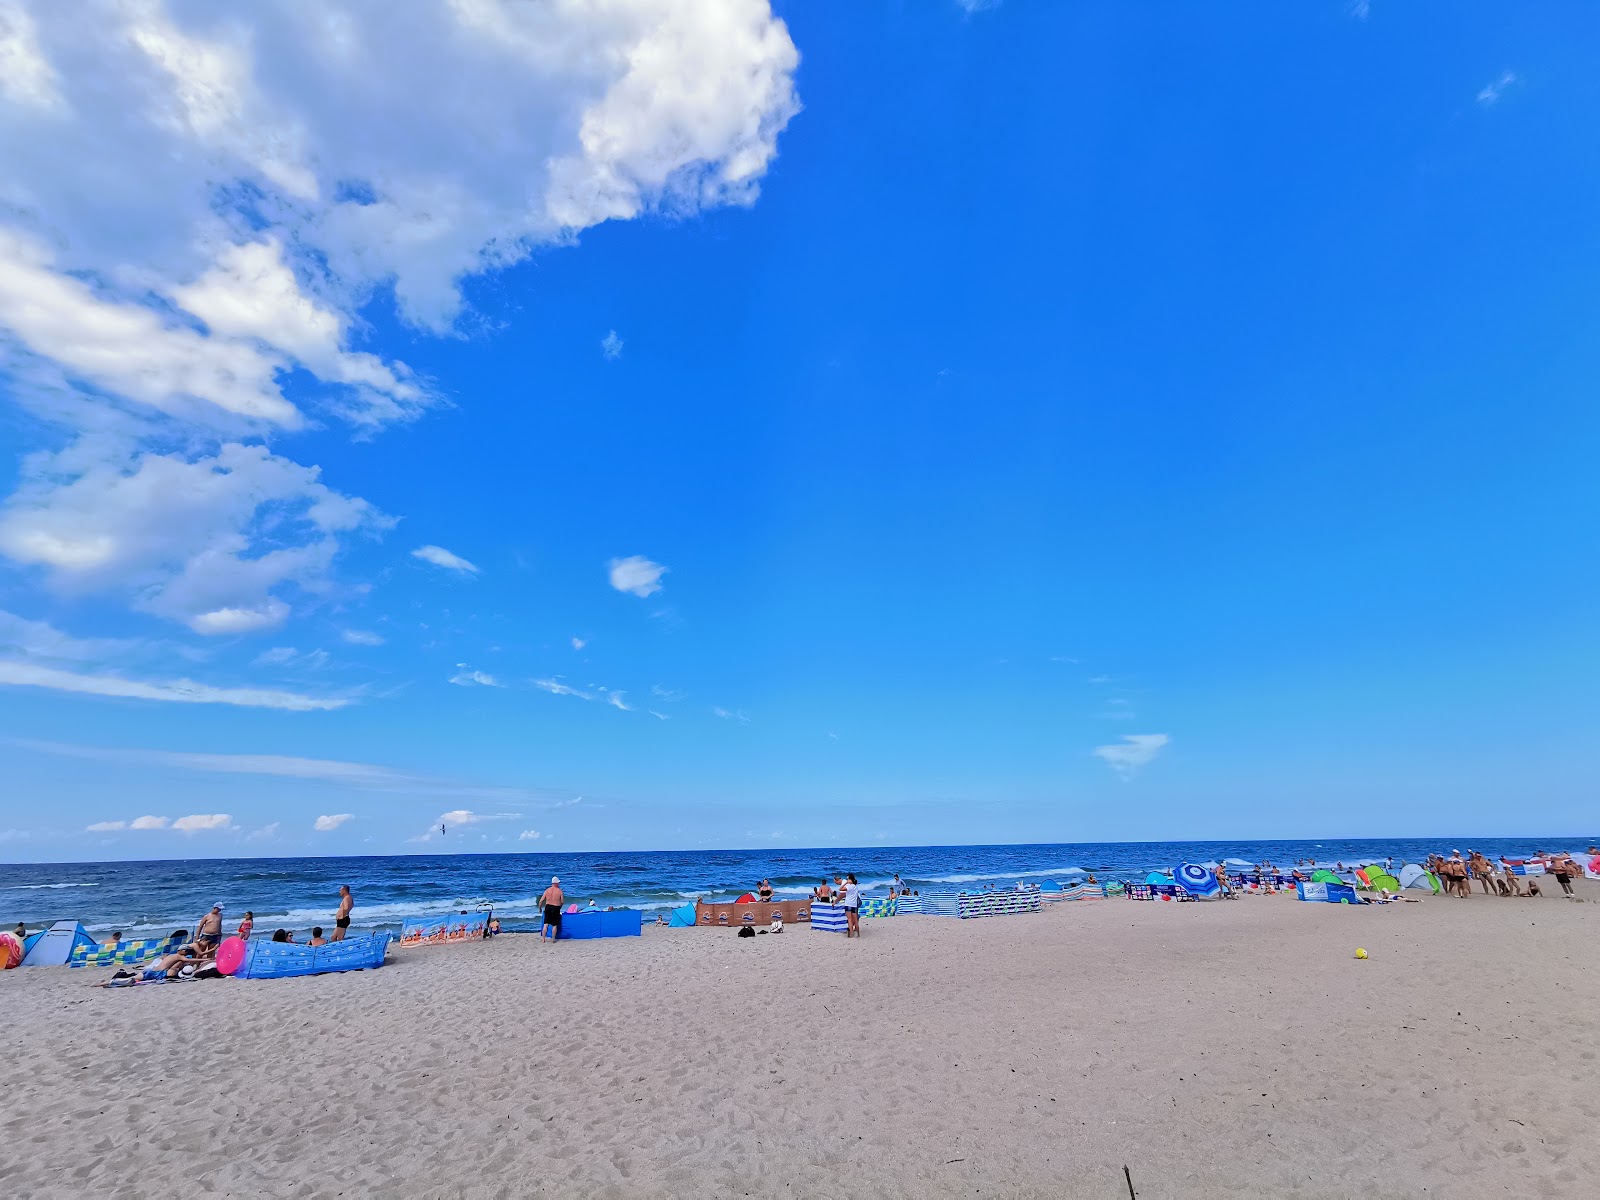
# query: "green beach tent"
[1382,881]
[1323,875]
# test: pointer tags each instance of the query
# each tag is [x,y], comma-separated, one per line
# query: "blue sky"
[833,424]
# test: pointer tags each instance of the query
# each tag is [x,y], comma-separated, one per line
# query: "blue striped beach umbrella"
[1196,880]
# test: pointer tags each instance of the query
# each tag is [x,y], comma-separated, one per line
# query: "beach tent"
[1323,875]
[1413,876]
[57,945]
[1380,880]
[1156,877]
[682,918]
[1197,881]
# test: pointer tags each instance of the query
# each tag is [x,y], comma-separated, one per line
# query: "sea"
[297,893]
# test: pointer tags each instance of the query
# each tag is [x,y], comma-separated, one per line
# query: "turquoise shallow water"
[300,892]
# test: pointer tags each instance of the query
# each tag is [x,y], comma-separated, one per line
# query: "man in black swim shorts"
[552,900]
[341,919]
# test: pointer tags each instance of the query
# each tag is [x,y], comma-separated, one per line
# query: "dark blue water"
[297,893]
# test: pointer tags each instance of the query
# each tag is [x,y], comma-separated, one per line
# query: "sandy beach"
[1225,1049]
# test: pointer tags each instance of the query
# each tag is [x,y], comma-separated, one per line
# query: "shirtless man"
[341,919]
[552,900]
[1483,872]
[208,934]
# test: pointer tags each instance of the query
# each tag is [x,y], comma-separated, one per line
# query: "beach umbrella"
[1196,880]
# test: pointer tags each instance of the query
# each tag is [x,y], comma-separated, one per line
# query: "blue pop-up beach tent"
[55,948]
[682,918]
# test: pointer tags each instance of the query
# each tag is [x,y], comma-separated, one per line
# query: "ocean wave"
[34,887]
[1032,874]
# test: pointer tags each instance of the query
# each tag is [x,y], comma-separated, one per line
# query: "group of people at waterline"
[185,956]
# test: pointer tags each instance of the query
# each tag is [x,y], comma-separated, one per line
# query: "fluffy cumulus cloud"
[198,203]
[203,823]
[1134,751]
[195,823]
[181,537]
[611,345]
[327,824]
[636,575]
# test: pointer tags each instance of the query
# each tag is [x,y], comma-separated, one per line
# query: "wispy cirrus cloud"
[466,676]
[556,686]
[728,714]
[1133,752]
[1491,93]
[363,776]
[362,637]
[440,557]
[175,691]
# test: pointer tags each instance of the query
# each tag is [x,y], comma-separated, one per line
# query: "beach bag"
[747,931]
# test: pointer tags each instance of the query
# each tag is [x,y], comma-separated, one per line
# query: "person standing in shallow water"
[341,919]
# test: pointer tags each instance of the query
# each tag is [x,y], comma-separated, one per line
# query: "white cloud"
[616,701]
[39,639]
[578,643]
[528,835]
[149,823]
[637,574]
[362,637]
[658,716]
[327,824]
[210,541]
[366,776]
[1492,92]
[26,78]
[180,691]
[730,715]
[1135,750]
[556,688]
[106,827]
[467,677]
[440,557]
[266,833]
[611,345]
[670,695]
[459,818]
[203,823]
[196,204]
[977,6]
[1361,9]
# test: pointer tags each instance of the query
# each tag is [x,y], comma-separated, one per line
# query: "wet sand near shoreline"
[1226,1049]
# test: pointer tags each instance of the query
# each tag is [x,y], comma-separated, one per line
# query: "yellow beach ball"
[1360,953]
